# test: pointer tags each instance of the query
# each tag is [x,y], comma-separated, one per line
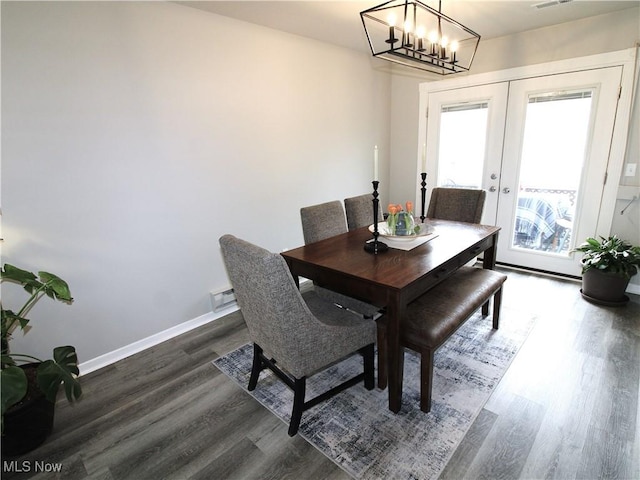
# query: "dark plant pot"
[604,288]
[27,424]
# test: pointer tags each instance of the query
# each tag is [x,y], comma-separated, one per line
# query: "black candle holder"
[392,38]
[375,246]
[423,192]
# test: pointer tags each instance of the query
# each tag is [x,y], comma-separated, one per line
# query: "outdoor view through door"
[462,163]
[553,153]
[540,147]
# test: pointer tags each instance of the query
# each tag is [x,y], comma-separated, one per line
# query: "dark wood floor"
[566,408]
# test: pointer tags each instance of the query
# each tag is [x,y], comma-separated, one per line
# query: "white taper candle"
[375,163]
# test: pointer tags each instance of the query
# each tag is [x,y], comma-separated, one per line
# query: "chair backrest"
[276,315]
[322,221]
[359,211]
[458,204]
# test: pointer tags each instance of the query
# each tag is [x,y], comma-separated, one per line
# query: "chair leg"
[382,354]
[426,379]
[497,301]
[256,368]
[299,389]
[367,360]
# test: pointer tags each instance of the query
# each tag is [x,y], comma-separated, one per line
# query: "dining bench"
[432,318]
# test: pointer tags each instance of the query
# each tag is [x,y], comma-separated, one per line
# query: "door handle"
[506,190]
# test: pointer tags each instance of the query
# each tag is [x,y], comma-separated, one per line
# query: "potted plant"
[607,266]
[30,385]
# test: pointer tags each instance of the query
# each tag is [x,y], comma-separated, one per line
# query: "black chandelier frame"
[405,46]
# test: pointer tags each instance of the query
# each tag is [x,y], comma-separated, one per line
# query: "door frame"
[623,58]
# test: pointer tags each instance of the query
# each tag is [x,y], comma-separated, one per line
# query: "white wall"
[605,33]
[135,134]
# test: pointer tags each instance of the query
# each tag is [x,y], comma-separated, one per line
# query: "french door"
[540,147]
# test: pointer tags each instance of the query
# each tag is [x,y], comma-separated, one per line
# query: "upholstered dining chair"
[292,335]
[323,221]
[359,211]
[458,204]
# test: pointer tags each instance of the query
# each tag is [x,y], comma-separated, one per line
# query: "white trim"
[136,347]
[620,57]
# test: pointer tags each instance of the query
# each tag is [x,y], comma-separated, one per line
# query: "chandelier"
[413,34]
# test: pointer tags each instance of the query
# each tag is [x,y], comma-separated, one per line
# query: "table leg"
[395,354]
[489,255]
[296,278]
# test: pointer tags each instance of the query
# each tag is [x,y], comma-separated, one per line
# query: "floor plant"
[607,266]
[19,385]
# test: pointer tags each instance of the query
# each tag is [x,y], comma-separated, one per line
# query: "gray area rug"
[357,431]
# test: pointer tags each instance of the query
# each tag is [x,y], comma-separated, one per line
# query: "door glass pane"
[553,154]
[463,133]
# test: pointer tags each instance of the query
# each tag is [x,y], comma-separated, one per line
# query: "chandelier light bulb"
[444,42]
[391,19]
[433,36]
[408,31]
[454,49]
[408,27]
[420,31]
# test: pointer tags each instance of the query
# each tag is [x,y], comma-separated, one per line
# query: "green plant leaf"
[55,288]
[8,317]
[611,254]
[27,279]
[7,361]
[61,370]
[14,387]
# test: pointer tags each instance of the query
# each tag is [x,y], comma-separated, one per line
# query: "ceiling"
[338,22]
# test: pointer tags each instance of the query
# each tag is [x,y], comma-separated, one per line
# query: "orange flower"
[409,207]
[393,209]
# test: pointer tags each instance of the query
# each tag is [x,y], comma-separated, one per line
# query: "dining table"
[394,278]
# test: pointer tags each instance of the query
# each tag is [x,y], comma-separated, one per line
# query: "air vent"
[222,300]
[551,3]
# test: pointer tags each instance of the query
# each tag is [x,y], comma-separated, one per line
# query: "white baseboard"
[136,347]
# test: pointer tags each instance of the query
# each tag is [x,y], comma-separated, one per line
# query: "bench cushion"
[435,316]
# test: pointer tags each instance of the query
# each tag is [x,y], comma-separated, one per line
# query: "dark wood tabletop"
[394,278]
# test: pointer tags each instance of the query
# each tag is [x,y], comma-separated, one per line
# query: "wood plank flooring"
[566,408]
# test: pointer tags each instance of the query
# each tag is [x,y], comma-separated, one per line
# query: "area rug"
[357,431]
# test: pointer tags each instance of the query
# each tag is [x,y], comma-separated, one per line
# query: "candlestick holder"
[376,246]
[423,192]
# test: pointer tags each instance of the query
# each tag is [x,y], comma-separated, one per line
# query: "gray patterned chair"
[458,204]
[323,221]
[292,335]
[359,211]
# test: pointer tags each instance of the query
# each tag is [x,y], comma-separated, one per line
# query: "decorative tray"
[420,230]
